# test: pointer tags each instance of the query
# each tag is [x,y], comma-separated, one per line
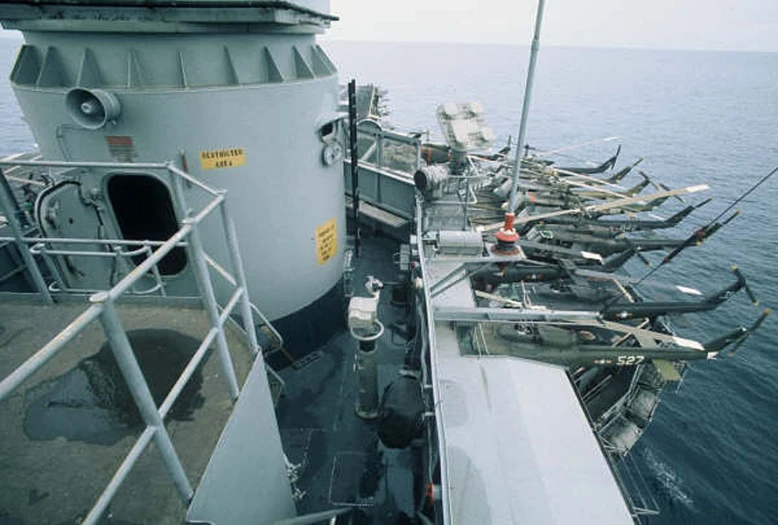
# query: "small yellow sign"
[327,241]
[222,158]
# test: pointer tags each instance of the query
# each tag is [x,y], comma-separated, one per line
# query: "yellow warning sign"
[222,158]
[327,241]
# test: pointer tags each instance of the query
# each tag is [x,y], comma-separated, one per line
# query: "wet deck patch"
[91,402]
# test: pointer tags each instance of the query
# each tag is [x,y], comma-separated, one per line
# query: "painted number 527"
[629,360]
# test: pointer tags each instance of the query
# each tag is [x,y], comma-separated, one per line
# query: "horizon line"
[7,34]
[573,46]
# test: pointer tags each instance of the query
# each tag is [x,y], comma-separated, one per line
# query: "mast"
[525,106]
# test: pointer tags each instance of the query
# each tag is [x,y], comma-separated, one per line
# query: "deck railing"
[103,308]
[387,162]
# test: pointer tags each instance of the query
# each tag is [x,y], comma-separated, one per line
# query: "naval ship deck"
[66,430]
[342,463]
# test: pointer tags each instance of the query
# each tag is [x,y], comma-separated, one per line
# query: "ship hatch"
[144,211]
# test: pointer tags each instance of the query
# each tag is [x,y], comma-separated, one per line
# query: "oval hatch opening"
[144,211]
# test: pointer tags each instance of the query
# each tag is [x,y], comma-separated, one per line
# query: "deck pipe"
[367,370]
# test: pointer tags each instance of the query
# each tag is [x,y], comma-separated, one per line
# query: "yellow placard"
[222,158]
[327,241]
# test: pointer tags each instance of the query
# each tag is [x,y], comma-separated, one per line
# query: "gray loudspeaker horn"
[92,108]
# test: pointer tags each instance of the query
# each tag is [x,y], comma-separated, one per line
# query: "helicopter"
[629,224]
[587,341]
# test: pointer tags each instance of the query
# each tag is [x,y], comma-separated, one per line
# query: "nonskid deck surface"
[65,431]
[342,462]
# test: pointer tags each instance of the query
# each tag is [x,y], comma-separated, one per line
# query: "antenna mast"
[525,107]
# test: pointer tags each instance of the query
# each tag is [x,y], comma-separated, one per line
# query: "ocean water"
[711,455]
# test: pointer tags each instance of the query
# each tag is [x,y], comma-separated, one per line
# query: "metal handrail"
[47,351]
[39,248]
[433,375]
[85,164]
[73,240]
[54,288]
[269,325]
[191,180]
[378,134]
[230,279]
[103,308]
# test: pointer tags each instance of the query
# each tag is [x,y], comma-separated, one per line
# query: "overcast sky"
[739,25]
[748,25]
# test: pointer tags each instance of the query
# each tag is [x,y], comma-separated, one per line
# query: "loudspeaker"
[92,108]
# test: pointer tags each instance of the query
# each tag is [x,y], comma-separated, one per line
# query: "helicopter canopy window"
[144,211]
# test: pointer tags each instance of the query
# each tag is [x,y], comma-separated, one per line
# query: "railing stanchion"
[240,274]
[16,228]
[197,256]
[50,265]
[121,267]
[178,190]
[136,382]
[155,271]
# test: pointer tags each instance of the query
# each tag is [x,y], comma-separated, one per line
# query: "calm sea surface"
[711,455]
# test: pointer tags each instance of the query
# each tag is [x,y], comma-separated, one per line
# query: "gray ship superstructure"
[176,270]
[213,90]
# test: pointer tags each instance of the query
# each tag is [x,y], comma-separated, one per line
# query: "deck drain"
[306,360]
